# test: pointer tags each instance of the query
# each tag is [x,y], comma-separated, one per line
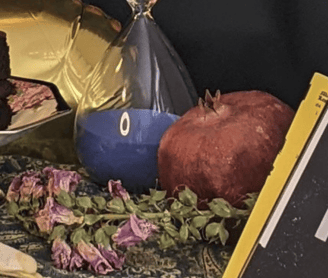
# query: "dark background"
[274,46]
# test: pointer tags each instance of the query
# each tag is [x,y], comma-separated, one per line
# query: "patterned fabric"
[144,260]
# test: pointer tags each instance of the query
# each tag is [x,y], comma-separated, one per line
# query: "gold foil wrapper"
[58,41]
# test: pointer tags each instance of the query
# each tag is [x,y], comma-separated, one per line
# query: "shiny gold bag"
[58,41]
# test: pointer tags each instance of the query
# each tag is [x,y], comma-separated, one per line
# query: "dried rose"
[55,213]
[29,95]
[134,231]
[13,190]
[93,256]
[61,253]
[115,258]
[76,260]
[31,186]
[25,186]
[61,180]
[116,189]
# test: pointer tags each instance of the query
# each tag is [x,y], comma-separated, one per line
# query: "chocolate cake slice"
[6,88]
[5,114]
[4,57]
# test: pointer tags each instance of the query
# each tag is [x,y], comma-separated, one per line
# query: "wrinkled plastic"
[137,91]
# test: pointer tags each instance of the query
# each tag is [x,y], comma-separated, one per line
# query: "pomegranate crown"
[211,103]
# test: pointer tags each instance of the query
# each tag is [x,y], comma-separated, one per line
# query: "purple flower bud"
[115,258]
[13,190]
[61,253]
[116,189]
[61,180]
[55,213]
[134,231]
[92,255]
[76,260]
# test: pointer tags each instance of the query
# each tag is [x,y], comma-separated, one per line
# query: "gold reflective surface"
[58,41]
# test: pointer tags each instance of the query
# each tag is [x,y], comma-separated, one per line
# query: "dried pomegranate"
[225,146]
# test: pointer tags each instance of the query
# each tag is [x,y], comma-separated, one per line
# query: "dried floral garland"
[93,232]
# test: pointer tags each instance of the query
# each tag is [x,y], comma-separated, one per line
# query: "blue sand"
[110,148]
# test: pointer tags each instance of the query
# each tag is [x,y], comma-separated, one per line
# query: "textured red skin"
[227,153]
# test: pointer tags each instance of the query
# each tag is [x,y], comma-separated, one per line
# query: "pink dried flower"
[13,190]
[38,191]
[31,94]
[115,258]
[134,231]
[93,256]
[31,186]
[55,213]
[116,189]
[24,187]
[61,253]
[61,180]
[76,260]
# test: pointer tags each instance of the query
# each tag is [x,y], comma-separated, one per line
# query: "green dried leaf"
[144,198]
[24,206]
[22,202]
[157,195]
[99,201]
[166,241]
[151,202]
[167,217]
[186,210]
[84,202]
[143,206]
[65,199]
[101,237]
[195,233]
[91,219]
[187,197]
[184,233]
[78,213]
[12,208]
[35,203]
[20,218]
[178,217]
[241,213]
[110,230]
[171,230]
[223,234]
[212,230]
[32,228]
[221,208]
[176,206]
[58,231]
[217,229]
[28,225]
[116,205]
[78,235]
[199,221]
[238,222]
[252,198]
[131,206]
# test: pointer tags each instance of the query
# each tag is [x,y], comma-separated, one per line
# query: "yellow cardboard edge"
[303,123]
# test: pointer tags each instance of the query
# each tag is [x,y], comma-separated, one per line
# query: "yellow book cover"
[286,232]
